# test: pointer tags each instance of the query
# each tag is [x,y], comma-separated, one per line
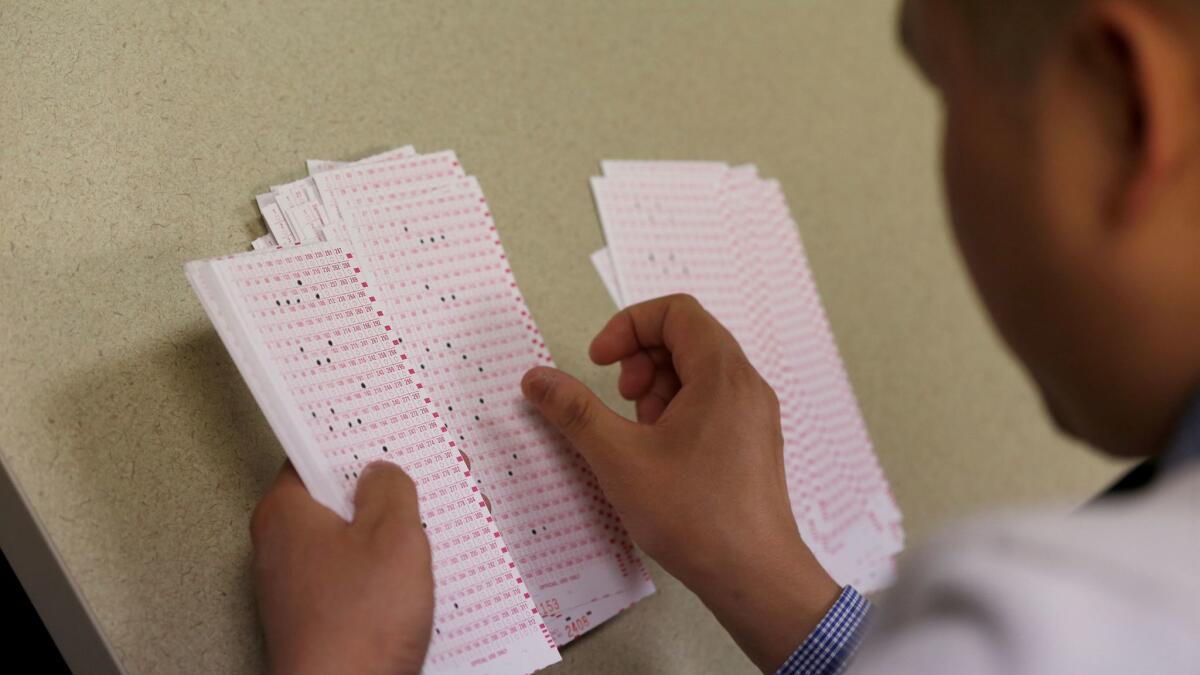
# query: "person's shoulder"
[1145,532]
[1153,536]
[1099,590]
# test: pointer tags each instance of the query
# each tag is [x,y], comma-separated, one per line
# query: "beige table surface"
[132,139]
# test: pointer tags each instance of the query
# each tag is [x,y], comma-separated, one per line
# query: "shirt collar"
[1185,442]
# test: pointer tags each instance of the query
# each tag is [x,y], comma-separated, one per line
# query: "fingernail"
[536,383]
[372,468]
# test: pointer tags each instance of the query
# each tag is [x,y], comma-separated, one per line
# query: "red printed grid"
[727,237]
[444,274]
[330,348]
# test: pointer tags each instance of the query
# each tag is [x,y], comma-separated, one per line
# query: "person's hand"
[699,479]
[343,597]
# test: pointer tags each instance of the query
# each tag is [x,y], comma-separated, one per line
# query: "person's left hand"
[343,597]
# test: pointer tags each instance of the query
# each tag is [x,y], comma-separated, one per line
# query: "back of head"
[1072,168]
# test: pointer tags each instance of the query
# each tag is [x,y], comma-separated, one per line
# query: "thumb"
[572,408]
[385,493]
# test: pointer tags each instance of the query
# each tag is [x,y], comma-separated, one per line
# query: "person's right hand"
[699,479]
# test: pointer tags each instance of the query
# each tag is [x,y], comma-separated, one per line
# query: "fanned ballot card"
[388,326]
[726,236]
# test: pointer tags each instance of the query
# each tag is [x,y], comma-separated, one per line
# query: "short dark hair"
[1016,33]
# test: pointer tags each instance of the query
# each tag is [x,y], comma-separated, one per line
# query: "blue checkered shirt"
[832,644]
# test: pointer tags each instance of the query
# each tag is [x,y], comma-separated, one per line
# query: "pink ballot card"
[305,328]
[357,183]
[316,166]
[445,278]
[726,236]
[305,202]
[380,320]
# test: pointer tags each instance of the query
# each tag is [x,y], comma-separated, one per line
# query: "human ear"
[1142,64]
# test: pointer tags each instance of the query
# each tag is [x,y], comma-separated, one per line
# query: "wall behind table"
[135,137]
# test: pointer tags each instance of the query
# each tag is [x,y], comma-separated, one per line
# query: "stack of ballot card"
[726,236]
[379,320]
